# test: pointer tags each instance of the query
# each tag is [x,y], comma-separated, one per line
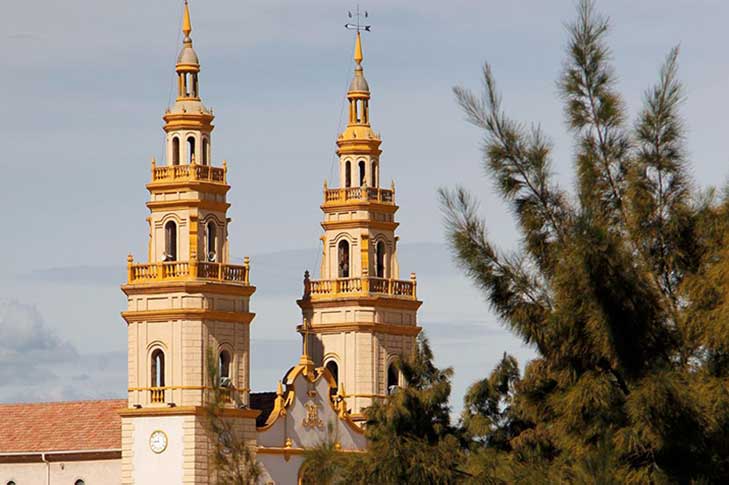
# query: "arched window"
[158,369]
[373,178]
[393,378]
[211,242]
[362,173]
[343,258]
[333,369]
[347,174]
[190,150]
[79,482]
[11,482]
[224,365]
[170,241]
[175,151]
[380,258]
[205,151]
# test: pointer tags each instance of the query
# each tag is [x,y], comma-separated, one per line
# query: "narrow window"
[362,173]
[333,369]
[194,86]
[211,238]
[347,174]
[380,270]
[170,241]
[373,178]
[158,368]
[392,378]
[205,151]
[224,366]
[191,150]
[343,259]
[175,151]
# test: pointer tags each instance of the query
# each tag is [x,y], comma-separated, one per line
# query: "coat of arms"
[312,419]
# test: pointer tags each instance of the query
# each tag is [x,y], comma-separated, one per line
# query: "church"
[190,314]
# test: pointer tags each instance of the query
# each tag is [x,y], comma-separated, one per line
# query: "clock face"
[158,441]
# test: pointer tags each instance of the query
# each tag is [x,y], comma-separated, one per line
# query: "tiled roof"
[61,426]
[262,401]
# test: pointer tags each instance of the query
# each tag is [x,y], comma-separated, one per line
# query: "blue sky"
[84,87]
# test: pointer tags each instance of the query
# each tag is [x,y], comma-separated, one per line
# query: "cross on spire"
[358,16]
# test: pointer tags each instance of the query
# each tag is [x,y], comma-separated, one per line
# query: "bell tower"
[360,316]
[187,304]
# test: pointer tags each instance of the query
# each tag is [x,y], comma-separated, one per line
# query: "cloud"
[36,364]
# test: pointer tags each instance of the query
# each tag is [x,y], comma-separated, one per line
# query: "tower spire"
[186,24]
[358,50]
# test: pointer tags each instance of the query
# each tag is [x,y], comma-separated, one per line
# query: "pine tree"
[619,287]
[411,438]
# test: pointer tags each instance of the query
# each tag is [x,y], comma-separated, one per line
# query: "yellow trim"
[359,224]
[367,327]
[186,314]
[171,205]
[214,287]
[188,411]
[313,375]
[280,450]
[366,301]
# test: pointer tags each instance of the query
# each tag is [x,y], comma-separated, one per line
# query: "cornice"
[188,411]
[192,286]
[358,224]
[188,204]
[365,327]
[362,301]
[187,314]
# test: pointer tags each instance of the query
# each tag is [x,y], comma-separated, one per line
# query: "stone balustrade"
[353,194]
[175,173]
[180,270]
[365,286]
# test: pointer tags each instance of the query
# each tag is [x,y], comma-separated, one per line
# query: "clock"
[158,441]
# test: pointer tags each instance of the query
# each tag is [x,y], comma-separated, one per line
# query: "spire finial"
[186,24]
[358,49]
[358,26]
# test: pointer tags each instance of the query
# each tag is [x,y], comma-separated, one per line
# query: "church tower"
[187,305]
[360,317]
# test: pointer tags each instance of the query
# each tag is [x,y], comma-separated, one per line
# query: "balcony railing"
[157,394]
[175,173]
[181,270]
[344,287]
[385,196]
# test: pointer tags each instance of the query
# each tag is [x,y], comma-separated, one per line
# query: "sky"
[85,84]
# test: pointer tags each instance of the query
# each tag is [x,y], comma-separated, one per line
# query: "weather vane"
[359,16]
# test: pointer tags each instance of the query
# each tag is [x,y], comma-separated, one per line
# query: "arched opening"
[373,175]
[380,260]
[205,151]
[211,237]
[224,367]
[393,379]
[170,241]
[175,151]
[157,379]
[347,174]
[11,483]
[333,369]
[191,150]
[343,257]
[362,173]
[79,482]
